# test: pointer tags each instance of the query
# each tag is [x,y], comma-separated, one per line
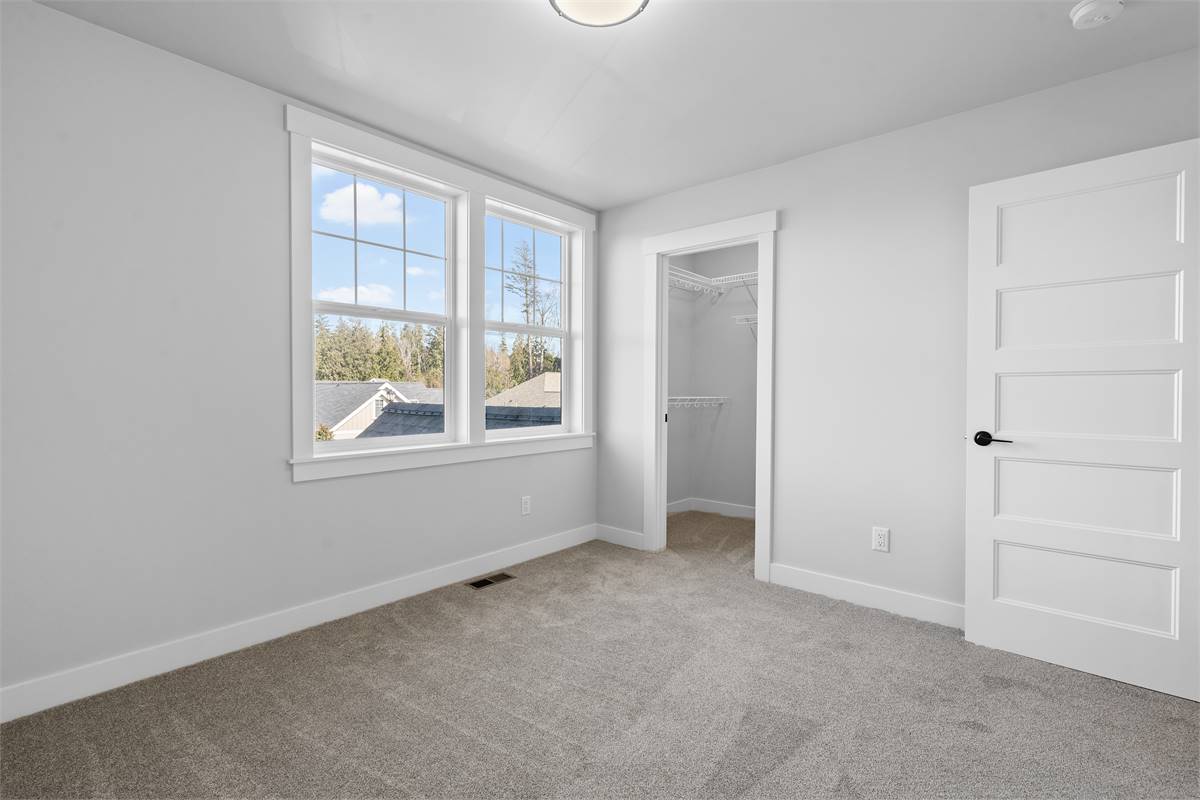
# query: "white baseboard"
[906,604]
[634,539]
[37,694]
[712,507]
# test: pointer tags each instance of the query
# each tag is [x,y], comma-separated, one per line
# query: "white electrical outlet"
[525,505]
[881,539]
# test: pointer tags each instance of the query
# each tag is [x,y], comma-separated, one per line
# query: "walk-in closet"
[711,373]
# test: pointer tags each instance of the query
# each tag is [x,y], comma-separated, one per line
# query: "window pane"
[332,201]
[424,224]
[380,276]
[491,242]
[426,278]
[546,311]
[518,247]
[377,378]
[493,279]
[549,255]
[380,212]
[522,381]
[332,269]
[519,297]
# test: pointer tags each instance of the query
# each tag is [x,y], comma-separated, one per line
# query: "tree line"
[352,350]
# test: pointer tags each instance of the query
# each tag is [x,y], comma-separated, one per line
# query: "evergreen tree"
[520,362]
[435,356]
[521,282]
[358,350]
[388,364]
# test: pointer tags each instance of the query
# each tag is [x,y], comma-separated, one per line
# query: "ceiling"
[690,91]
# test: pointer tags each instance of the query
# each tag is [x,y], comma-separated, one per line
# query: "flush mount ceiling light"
[599,13]
[1094,13]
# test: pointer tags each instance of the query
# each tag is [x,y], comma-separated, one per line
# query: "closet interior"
[711,380]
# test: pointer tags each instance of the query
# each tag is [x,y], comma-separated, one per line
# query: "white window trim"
[472,194]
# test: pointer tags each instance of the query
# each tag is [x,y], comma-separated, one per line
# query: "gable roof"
[541,391]
[334,401]
[416,392]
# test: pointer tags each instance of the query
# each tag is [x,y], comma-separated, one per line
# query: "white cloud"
[373,208]
[417,272]
[342,294]
[375,294]
[369,294]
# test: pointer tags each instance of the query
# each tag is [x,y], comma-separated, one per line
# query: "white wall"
[711,450]
[146,389]
[869,407]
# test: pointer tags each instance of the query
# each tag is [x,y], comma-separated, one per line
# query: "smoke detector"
[1094,13]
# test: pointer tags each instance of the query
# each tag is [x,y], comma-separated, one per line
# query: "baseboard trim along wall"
[897,601]
[48,691]
[711,506]
[607,533]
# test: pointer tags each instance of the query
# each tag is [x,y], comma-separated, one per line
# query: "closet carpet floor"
[608,672]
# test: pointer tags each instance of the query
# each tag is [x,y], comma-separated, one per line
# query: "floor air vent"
[499,577]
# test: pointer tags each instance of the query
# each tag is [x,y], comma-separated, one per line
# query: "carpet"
[612,673]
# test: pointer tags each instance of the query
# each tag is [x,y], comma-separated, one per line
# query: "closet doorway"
[712,400]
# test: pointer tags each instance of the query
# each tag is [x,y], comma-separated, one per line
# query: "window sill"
[365,462]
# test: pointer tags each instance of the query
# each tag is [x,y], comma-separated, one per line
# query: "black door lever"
[983,439]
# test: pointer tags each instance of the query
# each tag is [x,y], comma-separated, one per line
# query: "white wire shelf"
[695,402]
[745,319]
[739,279]
[692,282]
[681,278]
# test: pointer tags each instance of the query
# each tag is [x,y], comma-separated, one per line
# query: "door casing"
[757,229]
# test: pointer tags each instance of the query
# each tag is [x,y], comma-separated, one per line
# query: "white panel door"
[1082,532]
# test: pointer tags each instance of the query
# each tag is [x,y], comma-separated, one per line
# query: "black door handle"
[983,439]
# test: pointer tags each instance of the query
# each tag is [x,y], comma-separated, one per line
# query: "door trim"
[756,229]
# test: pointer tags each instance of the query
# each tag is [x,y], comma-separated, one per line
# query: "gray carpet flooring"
[606,672]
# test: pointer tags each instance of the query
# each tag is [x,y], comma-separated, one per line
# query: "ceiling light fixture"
[1094,13]
[599,13]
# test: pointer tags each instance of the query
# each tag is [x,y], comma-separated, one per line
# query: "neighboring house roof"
[333,401]
[406,419]
[415,392]
[542,391]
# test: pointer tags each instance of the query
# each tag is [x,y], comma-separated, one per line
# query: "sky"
[388,217]
[412,277]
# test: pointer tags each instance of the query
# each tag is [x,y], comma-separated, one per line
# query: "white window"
[524,358]
[439,314]
[380,288]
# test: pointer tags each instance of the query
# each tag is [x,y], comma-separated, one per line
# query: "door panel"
[1082,349]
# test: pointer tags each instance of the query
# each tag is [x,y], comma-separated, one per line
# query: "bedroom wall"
[871,280]
[146,397]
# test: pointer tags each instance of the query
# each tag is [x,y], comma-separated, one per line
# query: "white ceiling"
[690,91]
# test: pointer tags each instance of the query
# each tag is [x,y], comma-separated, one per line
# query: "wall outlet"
[525,506]
[881,539]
